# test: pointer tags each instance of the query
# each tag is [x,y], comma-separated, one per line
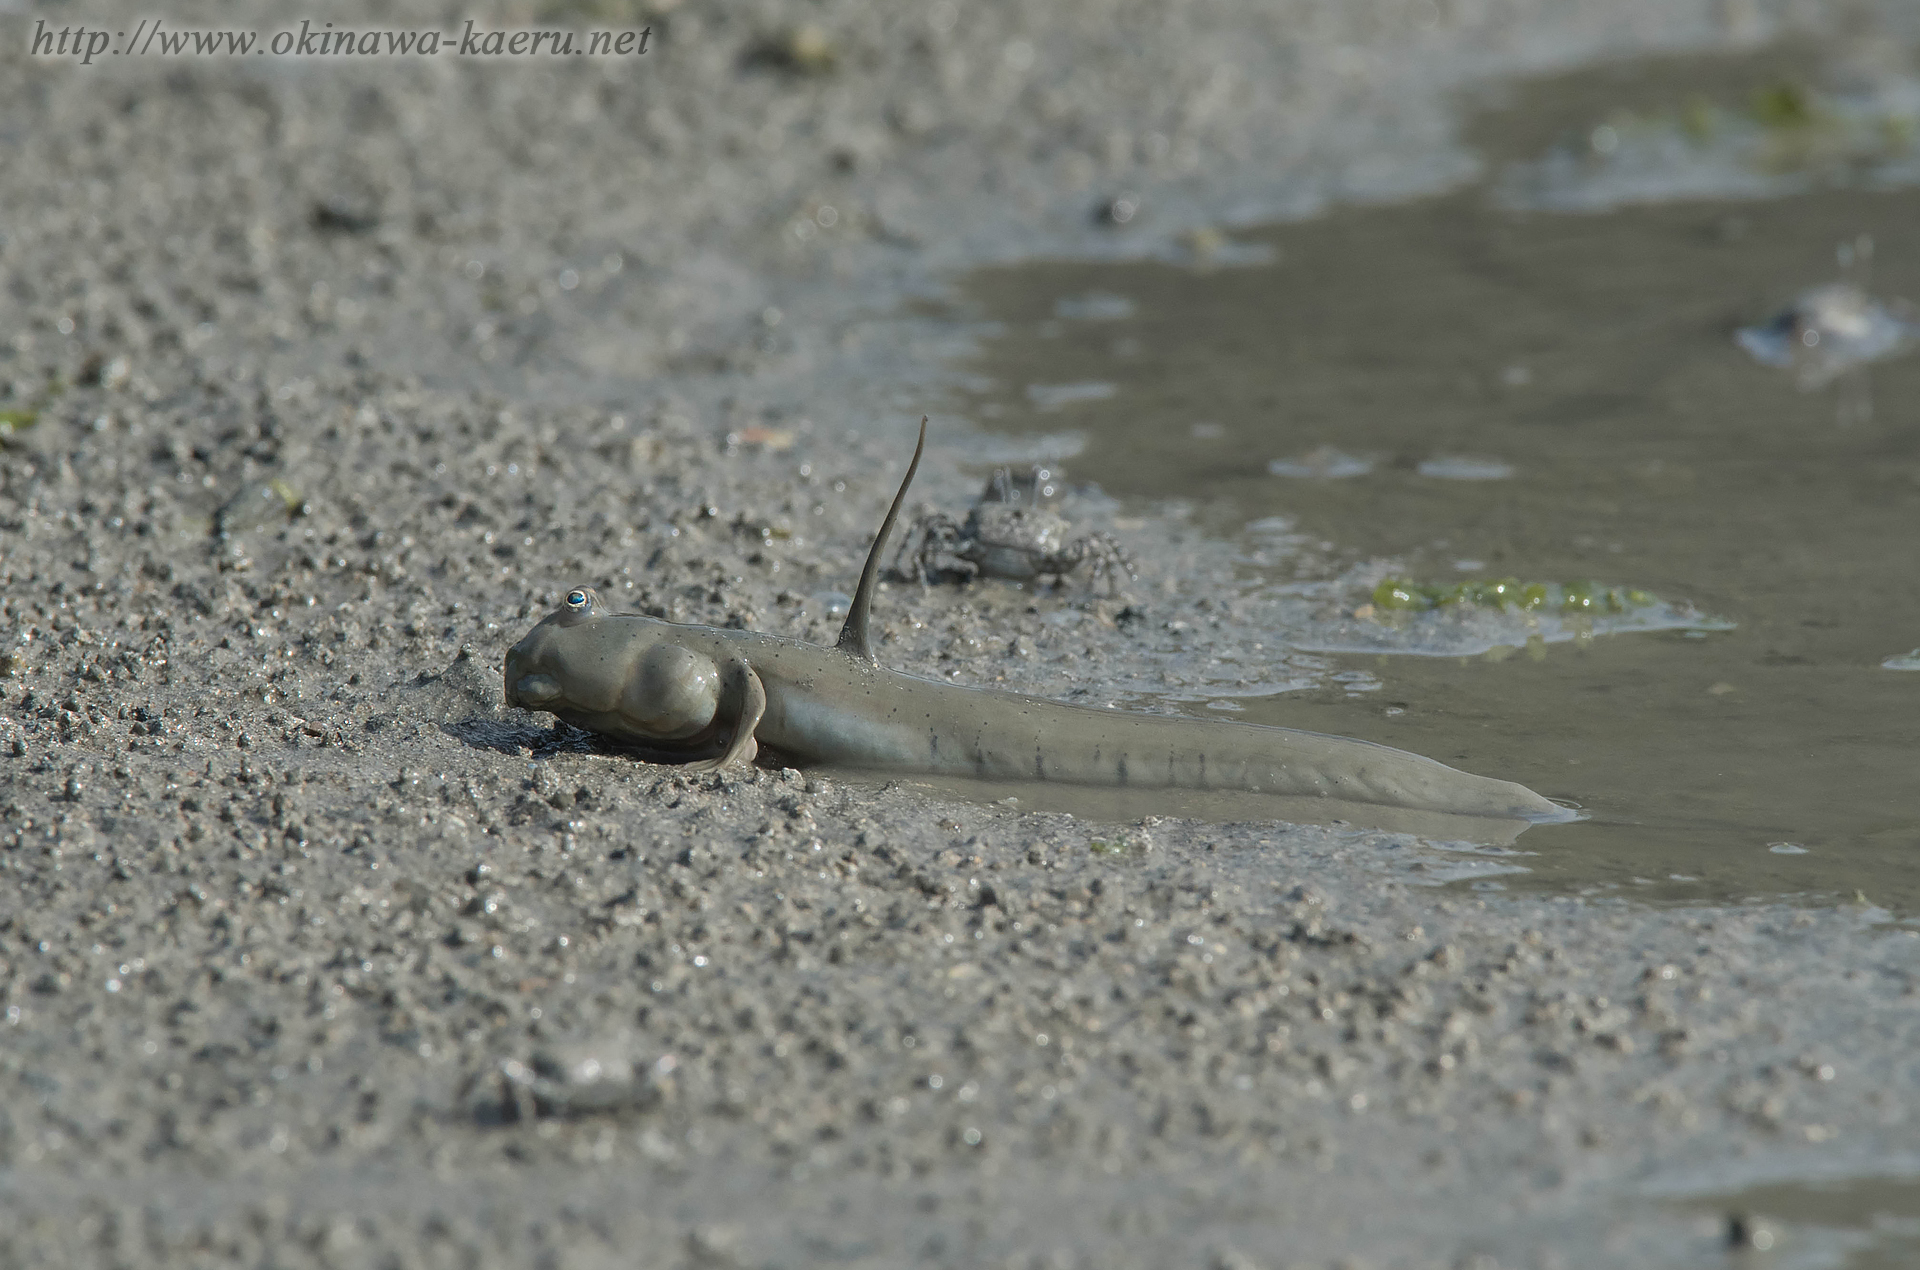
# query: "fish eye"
[576,599]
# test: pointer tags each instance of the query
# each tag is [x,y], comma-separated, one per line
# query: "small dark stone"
[1747,1232]
[1118,210]
[342,216]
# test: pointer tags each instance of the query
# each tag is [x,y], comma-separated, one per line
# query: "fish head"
[614,672]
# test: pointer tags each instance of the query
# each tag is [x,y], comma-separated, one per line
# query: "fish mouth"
[509,671]
[533,692]
[527,690]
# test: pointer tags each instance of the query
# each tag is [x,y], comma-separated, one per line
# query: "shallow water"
[1844,1223]
[1593,355]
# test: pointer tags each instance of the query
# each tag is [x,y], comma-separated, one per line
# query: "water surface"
[1579,371]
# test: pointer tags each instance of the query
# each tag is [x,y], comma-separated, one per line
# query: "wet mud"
[321,384]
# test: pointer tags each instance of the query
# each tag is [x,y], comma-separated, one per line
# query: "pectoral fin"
[753,704]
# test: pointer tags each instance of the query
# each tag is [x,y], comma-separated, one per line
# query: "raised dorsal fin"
[853,636]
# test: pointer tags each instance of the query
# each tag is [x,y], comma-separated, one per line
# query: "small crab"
[1007,534]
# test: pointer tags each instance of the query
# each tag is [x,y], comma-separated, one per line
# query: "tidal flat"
[324,380]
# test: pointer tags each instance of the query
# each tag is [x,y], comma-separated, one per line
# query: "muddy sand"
[325,381]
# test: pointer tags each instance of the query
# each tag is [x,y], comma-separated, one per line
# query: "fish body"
[824,706]
[710,697]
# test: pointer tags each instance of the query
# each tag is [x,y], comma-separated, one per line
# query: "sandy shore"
[313,954]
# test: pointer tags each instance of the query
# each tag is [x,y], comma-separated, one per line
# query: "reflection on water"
[1108,805]
[1591,359]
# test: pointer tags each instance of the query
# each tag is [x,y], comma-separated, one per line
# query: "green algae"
[14,421]
[1500,594]
[1786,105]
[17,419]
